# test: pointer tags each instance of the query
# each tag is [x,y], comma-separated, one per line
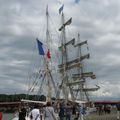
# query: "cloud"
[22,21]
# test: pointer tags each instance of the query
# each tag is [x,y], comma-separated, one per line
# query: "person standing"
[61,111]
[22,114]
[49,113]
[118,111]
[82,111]
[68,111]
[35,113]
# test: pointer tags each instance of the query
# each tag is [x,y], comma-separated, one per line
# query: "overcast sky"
[21,21]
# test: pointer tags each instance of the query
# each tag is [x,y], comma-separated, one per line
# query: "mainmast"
[64,60]
[71,86]
[67,90]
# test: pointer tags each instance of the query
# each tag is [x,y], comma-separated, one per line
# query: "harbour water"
[8,116]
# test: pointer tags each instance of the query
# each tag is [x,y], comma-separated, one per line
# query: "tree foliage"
[18,97]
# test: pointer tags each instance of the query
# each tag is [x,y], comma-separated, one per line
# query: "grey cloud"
[97,21]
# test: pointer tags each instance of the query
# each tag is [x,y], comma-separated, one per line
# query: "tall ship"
[73,77]
[72,81]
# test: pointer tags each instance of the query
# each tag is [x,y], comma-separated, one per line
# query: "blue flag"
[40,48]
[61,9]
[77,1]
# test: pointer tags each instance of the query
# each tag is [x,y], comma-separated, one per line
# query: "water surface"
[8,116]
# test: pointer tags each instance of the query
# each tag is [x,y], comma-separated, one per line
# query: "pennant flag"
[40,48]
[48,54]
[61,9]
[77,1]
[68,22]
[47,10]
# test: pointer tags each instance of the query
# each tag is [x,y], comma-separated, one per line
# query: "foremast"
[47,82]
[48,72]
[47,63]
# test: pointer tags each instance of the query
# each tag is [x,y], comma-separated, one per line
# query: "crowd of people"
[61,111]
[53,111]
[103,109]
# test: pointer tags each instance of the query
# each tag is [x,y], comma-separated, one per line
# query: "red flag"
[48,54]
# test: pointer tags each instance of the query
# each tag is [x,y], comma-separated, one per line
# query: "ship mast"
[76,84]
[49,77]
[80,70]
[66,89]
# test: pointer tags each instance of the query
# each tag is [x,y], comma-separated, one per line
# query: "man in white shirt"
[35,113]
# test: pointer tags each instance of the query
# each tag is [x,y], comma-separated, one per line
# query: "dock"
[111,116]
[108,116]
